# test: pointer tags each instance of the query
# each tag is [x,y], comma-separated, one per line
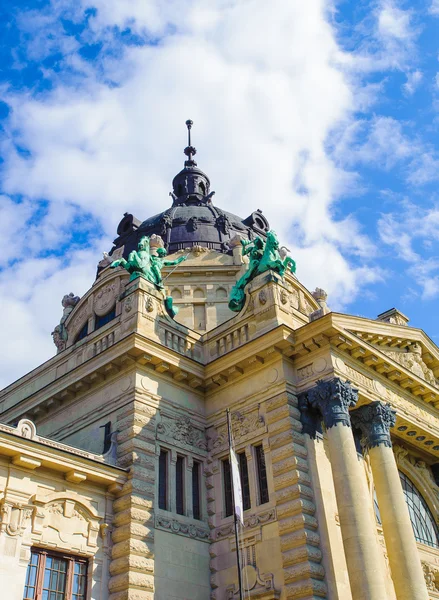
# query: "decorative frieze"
[250,522]
[182,528]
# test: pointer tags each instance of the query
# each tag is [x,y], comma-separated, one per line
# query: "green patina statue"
[263,256]
[141,263]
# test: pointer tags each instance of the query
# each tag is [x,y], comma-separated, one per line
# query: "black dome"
[192,220]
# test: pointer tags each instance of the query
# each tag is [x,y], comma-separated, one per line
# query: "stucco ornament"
[142,263]
[263,256]
[59,334]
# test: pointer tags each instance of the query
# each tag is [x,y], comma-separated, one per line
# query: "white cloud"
[413,81]
[404,231]
[394,23]
[434,7]
[265,89]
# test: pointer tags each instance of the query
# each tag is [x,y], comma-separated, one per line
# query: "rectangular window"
[53,576]
[196,511]
[245,486]
[163,480]
[262,475]
[179,485]
[227,480]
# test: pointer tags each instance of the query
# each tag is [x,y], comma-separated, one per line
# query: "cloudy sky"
[323,114]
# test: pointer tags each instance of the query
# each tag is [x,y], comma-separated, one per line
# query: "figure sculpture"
[263,256]
[141,263]
[59,334]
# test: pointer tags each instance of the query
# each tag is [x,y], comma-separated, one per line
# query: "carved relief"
[250,522]
[65,520]
[105,298]
[243,425]
[26,428]
[411,359]
[181,432]
[431,576]
[15,517]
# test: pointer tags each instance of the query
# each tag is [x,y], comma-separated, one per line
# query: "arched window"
[176,294]
[83,332]
[103,320]
[424,526]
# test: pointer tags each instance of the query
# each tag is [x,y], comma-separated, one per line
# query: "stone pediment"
[411,353]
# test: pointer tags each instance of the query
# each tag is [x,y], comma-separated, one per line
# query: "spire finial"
[190,151]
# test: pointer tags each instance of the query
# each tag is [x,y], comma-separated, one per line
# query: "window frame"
[70,559]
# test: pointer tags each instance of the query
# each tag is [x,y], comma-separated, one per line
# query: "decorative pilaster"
[331,399]
[375,420]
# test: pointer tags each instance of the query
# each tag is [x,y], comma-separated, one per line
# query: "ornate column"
[332,400]
[375,420]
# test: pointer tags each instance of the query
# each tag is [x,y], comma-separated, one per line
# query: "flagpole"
[235,519]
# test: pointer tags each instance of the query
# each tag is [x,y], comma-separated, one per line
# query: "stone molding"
[182,528]
[374,420]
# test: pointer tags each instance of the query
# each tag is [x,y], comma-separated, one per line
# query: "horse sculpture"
[141,263]
[264,256]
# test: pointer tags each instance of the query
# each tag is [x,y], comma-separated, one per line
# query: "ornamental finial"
[190,151]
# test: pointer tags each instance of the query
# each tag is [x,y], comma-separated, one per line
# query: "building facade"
[114,466]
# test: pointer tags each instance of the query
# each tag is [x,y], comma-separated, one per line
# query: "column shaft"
[357,529]
[405,564]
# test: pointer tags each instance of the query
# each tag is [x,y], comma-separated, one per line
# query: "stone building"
[114,472]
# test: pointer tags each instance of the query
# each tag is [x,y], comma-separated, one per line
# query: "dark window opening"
[83,332]
[163,480]
[196,509]
[245,484]
[53,576]
[179,485]
[101,321]
[107,436]
[227,480]
[202,188]
[262,475]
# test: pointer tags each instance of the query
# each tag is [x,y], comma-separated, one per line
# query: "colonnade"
[329,401]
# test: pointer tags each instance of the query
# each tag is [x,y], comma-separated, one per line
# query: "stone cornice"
[77,465]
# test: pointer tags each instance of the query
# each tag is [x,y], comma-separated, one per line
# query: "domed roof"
[193,219]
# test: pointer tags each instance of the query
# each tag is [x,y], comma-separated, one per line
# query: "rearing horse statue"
[264,256]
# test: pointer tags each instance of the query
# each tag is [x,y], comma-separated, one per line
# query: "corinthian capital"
[332,399]
[374,420]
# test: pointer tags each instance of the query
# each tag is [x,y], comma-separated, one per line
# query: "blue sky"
[324,115]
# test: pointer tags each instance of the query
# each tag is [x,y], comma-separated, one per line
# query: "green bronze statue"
[263,256]
[141,263]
